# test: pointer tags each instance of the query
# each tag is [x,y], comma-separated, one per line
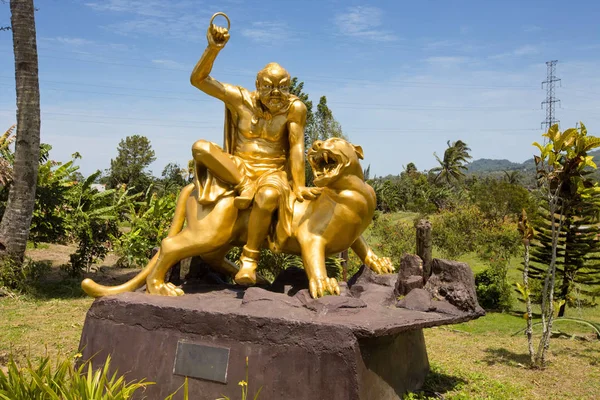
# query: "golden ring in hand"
[223,14]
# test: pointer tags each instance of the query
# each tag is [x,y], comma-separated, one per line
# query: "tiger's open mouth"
[324,163]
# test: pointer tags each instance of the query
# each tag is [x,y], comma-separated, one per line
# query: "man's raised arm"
[217,38]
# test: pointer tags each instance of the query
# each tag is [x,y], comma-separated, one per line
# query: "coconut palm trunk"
[14,228]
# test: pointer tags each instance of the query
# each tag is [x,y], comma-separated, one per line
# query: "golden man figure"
[264,147]
[252,191]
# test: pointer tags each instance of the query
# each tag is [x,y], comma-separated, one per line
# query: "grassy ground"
[480,359]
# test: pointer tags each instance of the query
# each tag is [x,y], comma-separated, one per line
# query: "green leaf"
[589,162]
[553,133]
[591,142]
[566,136]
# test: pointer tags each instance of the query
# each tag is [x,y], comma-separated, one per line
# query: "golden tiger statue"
[327,225]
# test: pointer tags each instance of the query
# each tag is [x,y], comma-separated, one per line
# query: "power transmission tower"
[550,82]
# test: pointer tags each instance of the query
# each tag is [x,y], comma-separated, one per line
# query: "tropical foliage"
[452,166]
[562,168]
[149,221]
[65,381]
[7,157]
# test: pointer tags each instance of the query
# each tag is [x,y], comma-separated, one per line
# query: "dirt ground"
[104,272]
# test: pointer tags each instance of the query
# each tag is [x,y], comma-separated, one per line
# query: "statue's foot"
[380,265]
[163,289]
[246,276]
[318,287]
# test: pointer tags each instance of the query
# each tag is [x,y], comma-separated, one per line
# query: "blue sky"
[401,77]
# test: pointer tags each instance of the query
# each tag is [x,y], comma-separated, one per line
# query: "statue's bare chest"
[273,129]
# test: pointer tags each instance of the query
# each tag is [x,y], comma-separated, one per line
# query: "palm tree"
[14,228]
[513,177]
[453,164]
[410,169]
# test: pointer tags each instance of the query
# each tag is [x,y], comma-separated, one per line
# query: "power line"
[317,78]
[550,82]
[339,105]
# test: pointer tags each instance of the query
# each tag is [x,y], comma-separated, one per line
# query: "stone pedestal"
[337,347]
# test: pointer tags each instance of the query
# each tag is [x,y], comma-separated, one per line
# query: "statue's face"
[273,89]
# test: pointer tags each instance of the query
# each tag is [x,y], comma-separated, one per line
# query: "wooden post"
[344,257]
[425,246]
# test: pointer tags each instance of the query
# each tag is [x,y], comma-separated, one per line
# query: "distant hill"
[489,167]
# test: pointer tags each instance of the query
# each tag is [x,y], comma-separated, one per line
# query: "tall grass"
[64,381]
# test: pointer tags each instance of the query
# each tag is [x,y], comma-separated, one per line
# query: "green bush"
[272,264]
[392,238]
[498,199]
[64,381]
[52,207]
[19,276]
[457,232]
[93,222]
[493,291]
[150,220]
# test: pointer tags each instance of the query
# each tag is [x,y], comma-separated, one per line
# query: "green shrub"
[52,207]
[64,381]
[493,291]
[272,264]
[149,220]
[390,238]
[21,277]
[93,222]
[498,199]
[457,232]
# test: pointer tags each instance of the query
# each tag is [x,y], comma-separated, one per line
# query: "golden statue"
[253,191]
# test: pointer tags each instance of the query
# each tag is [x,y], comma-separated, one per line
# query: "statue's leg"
[313,257]
[220,164]
[172,250]
[381,265]
[217,161]
[219,263]
[266,201]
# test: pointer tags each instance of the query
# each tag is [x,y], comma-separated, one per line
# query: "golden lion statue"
[325,226]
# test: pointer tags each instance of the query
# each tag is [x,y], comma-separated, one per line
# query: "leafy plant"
[458,231]
[7,157]
[93,222]
[493,291]
[64,382]
[390,237]
[21,276]
[452,166]
[561,170]
[51,212]
[149,220]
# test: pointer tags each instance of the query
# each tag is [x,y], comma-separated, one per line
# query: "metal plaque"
[201,361]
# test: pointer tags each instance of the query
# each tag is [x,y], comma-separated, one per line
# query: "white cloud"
[448,60]
[526,50]
[169,64]
[147,8]
[266,31]
[521,51]
[363,22]
[181,19]
[79,45]
[74,41]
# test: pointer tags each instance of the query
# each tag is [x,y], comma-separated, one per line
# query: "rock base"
[362,345]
